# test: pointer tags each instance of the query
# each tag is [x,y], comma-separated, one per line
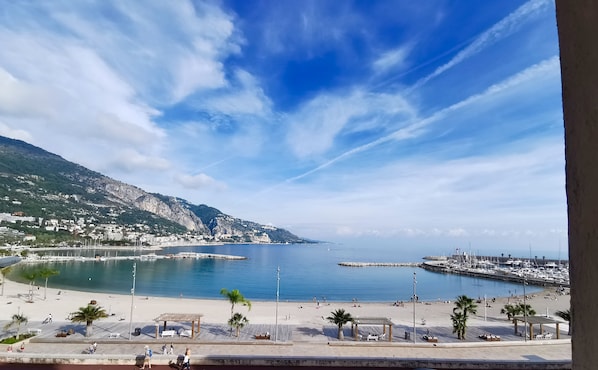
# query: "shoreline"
[308,313]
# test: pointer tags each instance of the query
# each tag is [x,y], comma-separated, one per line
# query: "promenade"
[296,346]
[305,337]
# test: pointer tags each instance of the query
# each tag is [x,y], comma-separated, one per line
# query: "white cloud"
[317,124]
[391,59]
[199,181]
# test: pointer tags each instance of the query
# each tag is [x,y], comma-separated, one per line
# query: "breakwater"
[443,268]
[380,264]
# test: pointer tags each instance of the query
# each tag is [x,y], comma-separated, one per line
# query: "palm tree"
[235,297]
[565,315]
[237,321]
[46,273]
[340,318]
[4,272]
[17,319]
[88,315]
[526,309]
[30,275]
[463,307]
[458,324]
[511,311]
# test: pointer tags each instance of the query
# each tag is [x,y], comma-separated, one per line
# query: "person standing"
[186,359]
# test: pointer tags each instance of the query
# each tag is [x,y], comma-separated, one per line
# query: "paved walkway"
[295,345]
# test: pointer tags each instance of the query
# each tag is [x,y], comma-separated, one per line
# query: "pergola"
[180,317]
[371,321]
[541,320]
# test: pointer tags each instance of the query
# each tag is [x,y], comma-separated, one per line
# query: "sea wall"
[435,266]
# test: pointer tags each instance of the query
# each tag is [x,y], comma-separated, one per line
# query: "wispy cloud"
[502,29]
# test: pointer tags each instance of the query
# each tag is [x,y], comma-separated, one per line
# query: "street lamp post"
[414,299]
[524,308]
[277,296]
[132,301]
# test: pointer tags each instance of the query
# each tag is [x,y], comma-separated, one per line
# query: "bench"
[34,331]
[168,333]
[114,335]
[372,337]
[431,339]
[262,336]
[185,333]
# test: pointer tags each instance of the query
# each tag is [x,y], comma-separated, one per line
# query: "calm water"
[306,271]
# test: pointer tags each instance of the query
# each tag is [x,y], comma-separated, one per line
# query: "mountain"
[52,199]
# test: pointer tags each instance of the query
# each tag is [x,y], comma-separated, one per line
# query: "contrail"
[542,68]
[498,31]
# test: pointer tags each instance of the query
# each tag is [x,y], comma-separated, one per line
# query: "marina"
[532,272]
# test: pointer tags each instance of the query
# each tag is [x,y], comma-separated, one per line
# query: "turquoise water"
[306,271]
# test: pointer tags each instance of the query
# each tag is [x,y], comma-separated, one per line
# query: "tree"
[17,319]
[565,315]
[88,315]
[30,275]
[463,307]
[340,318]
[237,321]
[519,309]
[46,273]
[5,271]
[510,310]
[235,297]
[526,309]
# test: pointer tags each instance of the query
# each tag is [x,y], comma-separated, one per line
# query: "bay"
[307,272]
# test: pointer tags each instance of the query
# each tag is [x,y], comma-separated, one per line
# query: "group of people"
[148,353]
[21,349]
[92,348]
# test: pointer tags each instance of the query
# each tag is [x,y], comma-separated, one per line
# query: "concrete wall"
[578,37]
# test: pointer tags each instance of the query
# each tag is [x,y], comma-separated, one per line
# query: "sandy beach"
[60,303]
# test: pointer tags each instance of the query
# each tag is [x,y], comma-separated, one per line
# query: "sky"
[431,124]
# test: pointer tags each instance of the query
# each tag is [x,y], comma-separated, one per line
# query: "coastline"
[60,303]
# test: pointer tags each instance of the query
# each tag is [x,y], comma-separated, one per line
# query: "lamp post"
[524,308]
[414,299]
[277,296]
[132,301]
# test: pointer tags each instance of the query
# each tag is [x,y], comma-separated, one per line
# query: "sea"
[287,272]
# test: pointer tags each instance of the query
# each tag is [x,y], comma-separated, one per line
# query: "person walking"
[186,359]
[147,358]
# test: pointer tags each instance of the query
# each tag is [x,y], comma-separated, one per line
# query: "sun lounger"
[168,333]
[185,333]
[373,337]
[430,338]
[490,337]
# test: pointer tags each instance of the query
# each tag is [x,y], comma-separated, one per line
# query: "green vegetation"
[515,310]
[463,307]
[46,273]
[340,318]
[237,322]
[16,338]
[88,315]
[235,297]
[565,315]
[18,320]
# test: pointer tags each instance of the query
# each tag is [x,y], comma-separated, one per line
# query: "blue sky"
[429,123]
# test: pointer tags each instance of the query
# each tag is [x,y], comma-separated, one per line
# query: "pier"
[142,257]
[380,264]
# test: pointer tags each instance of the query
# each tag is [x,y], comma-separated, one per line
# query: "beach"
[60,303]
[303,335]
